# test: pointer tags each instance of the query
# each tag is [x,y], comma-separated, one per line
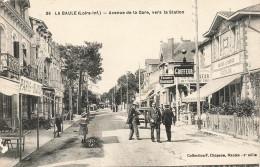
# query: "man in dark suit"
[133,121]
[154,116]
[167,118]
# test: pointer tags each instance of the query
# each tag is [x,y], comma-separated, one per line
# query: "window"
[37,50]
[16,49]
[12,2]
[6,107]
[225,43]
[2,40]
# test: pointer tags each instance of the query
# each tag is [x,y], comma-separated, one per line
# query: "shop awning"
[150,92]
[9,87]
[210,88]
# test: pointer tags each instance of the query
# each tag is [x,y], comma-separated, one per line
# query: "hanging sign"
[184,71]
[166,79]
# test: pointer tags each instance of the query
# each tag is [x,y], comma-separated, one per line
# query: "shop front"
[9,91]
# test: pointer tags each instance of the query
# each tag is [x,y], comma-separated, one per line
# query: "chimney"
[170,43]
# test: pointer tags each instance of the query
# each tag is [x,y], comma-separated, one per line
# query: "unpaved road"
[108,145]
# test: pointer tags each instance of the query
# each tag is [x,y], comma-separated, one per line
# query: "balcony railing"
[29,72]
[9,66]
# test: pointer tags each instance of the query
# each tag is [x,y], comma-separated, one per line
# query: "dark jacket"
[154,116]
[133,116]
[167,116]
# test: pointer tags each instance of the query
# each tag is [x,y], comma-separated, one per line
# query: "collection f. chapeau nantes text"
[139,12]
[222,155]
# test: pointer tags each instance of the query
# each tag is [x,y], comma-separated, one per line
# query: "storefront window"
[221,96]
[233,94]
[227,100]
[6,107]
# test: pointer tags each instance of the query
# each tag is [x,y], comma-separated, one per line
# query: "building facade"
[231,52]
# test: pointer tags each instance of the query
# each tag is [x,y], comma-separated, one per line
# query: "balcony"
[29,72]
[9,66]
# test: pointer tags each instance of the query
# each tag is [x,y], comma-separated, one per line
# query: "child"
[83,130]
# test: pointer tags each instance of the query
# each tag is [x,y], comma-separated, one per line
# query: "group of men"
[155,117]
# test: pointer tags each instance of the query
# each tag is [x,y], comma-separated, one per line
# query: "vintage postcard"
[129,83]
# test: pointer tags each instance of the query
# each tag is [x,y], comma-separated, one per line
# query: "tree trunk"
[70,100]
[79,93]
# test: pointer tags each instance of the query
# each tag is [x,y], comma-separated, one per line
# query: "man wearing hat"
[167,120]
[133,121]
[154,116]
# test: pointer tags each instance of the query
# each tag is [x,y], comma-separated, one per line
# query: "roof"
[39,21]
[152,61]
[166,51]
[253,8]
[232,16]
[177,48]
[189,46]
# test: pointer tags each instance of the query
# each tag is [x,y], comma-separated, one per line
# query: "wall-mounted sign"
[184,71]
[166,80]
[30,87]
[229,61]
[204,77]
[228,71]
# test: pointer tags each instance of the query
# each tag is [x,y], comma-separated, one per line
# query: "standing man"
[154,116]
[133,121]
[167,120]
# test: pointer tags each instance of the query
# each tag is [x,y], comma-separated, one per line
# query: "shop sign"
[166,80]
[235,59]
[184,71]
[204,77]
[228,71]
[30,87]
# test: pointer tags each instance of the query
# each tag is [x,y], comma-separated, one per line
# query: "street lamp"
[127,90]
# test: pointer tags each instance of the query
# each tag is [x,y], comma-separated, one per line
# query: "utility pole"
[197,65]
[127,91]
[139,78]
[70,99]
[87,107]
[121,97]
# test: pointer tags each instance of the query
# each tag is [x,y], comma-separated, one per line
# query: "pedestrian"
[167,117]
[133,121]
[116,107]
[58,122]
[83,130]
[155,121]
[174,115]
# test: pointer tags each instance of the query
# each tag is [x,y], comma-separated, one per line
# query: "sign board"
[30,87]
[204,77]
[227,62]
[166,79]
[228,71]
[183,71]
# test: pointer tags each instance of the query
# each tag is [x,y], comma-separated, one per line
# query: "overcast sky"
[130,38]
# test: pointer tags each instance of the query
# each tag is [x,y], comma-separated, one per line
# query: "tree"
[121,88]
[82,59]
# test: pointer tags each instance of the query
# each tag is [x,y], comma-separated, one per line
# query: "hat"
[153,103]
[135,103]
[166,105]
[84,114]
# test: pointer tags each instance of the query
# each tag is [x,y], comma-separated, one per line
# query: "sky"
[128,39]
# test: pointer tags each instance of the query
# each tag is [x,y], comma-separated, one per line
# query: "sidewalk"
[221,135]
[8,158]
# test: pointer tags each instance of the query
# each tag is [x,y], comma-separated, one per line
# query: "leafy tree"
[80,60]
